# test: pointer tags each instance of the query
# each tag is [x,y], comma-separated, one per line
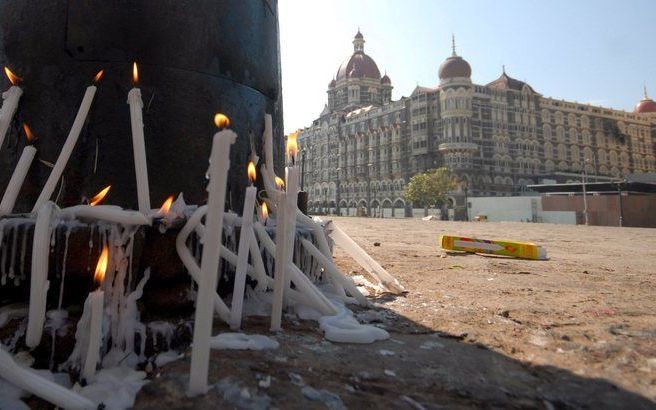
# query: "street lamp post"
[619,201]
[585,199]
[303,168]
[465,186]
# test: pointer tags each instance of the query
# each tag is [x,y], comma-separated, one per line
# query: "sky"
[596,51]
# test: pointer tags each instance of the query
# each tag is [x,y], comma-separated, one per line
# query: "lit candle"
[285,234]
[39,276]
[138,144]
[109,213]
[69,145]
[264,213]
[9,104]
[17,178]
[96,302]
[245,238]
[100,196]
[164,211]
[218,172]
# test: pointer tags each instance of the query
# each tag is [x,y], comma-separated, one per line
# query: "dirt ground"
[575,331]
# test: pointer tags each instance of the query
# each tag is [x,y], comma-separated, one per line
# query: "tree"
[430,188]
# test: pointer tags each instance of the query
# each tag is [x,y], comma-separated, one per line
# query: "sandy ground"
[575,331]
[589,309]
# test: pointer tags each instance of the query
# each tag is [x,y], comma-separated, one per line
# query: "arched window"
[585,121]
[546,131]
[585,135]
[559,118]
[576,155]
[573,136]
[562,152]
[560,134]
[546,116]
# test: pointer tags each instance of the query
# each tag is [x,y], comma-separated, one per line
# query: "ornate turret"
[456,95]
[358,82]
[358,43]
[454,66]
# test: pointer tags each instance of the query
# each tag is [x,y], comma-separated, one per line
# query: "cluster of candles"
[281,199]
[91,324]
[10,103]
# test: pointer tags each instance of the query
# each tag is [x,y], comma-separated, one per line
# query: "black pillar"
[196,58]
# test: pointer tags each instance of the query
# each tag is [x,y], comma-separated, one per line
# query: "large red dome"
[646,105]
[454,66]
[357,66]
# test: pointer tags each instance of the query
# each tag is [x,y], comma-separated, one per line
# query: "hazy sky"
[597,51]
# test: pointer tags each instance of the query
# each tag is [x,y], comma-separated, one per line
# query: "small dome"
[332,83]
[357,66]
[359,35]
[385,80]
[454,66]
[646,105]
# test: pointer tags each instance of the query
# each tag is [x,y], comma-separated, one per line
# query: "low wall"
[638,210]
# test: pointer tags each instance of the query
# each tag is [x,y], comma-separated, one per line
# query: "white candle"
[109,213]
[39,275]
[219,166]
[340,282]
[190,262]
[139,146]
[30,381]
[342,240]
[259,272]
[16,181]
[280,266]
[305,288]
[68,147]
[245,238]
[9,105]
[291,198]
[285,233]
[95,301]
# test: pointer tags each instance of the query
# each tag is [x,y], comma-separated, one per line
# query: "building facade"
[496,138]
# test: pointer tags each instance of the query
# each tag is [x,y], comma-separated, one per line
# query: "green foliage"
[430,188]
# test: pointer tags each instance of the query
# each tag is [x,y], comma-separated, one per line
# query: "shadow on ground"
[417,368]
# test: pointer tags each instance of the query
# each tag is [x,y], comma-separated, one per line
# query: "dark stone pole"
[196,58]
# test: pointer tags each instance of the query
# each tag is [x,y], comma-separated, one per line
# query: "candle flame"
[135,73]
[98,76]
[221,120]
[101,267]
[265,211]
[280,183]
[13,78]
[28,133]
[166,206]
[99,196]
[252,174]
[292,145]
